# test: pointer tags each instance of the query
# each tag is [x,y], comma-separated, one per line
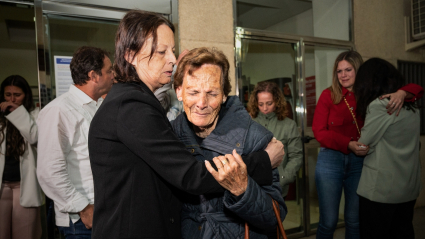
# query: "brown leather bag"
[280,231]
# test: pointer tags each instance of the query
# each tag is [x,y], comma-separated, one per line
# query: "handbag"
[280,231]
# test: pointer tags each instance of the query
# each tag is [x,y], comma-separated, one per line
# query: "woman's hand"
[275,150]
[358,148]
[231,174]
[7,105]
[396,101]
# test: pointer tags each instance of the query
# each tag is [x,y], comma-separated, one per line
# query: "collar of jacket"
[230,132]
[143,87]
[268,116]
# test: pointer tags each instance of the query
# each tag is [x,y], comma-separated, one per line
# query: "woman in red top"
[340,161]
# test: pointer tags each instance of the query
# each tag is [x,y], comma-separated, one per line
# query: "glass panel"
[319,63]
[260,61]
[325,18]
[65,34]
[18,54]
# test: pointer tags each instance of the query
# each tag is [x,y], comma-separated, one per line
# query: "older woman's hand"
[231,174]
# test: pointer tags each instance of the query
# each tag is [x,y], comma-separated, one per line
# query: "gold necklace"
[352,114]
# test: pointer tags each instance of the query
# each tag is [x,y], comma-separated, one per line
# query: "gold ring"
[224,162]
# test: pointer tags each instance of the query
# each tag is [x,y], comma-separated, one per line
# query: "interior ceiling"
[266,13]
[17,27]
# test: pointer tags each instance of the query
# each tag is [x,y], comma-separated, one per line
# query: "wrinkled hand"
[231,174]
[86,216]
[182,55]
[8,106]
[276,152]
[396,101]
[358,148]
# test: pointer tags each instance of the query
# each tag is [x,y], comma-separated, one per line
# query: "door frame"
[301,119]
[88,9]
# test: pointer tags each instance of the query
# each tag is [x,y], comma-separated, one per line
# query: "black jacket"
[140,167]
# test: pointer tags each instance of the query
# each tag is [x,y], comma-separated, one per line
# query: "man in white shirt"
[63,166]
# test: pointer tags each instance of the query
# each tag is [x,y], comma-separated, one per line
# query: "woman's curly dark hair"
[278,98]
[15,145]
[374,78]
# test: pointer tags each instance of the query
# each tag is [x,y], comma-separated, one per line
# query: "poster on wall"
[310,89]
[63,77]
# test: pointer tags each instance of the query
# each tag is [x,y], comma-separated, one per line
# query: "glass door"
[64,35]
[262,60]
[318,67]
[303,69]
[62,27]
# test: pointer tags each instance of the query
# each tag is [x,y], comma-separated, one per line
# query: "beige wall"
[379,32]
[204,23]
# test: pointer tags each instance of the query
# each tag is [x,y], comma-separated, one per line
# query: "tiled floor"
[418,224]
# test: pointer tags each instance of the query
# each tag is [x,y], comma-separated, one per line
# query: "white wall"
[331,19]
[268,60]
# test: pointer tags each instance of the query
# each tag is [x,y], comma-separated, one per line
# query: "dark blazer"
[140,167]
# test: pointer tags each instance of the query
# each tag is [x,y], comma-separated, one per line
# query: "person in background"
[20,194]
[215,123]
[167,95]
[267,106]
[391,177]
[140,168]
[337,128]
[63,163]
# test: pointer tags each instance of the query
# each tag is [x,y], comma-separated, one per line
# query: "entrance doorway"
[302,67]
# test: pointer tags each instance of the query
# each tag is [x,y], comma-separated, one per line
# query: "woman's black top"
[12,171]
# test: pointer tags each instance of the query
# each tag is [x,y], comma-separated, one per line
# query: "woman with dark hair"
[391,177]
[20,195]
[337,129]
[139,166]
[267,106]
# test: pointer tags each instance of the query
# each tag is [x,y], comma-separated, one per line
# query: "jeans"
[76,230]
[336,171]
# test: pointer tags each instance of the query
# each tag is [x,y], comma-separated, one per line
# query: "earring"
[180,99]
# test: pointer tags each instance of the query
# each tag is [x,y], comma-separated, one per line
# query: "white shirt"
[63,167]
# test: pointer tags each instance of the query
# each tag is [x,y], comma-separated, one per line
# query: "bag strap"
[352,114]
[246,231]
[279,221]
[279,228]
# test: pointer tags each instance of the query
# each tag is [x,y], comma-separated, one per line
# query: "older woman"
[139,166]
[215,124]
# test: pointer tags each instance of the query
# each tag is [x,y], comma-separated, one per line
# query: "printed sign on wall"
[63,77]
